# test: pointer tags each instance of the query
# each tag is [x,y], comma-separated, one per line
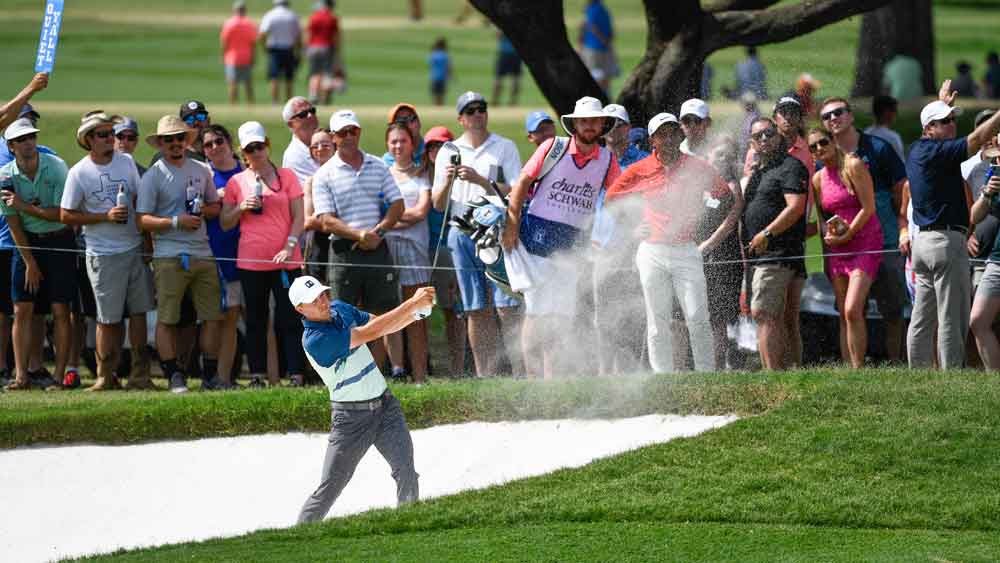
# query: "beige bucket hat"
[170,125]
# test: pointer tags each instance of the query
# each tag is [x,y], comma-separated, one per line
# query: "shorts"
[320,60]
[120,282]
[281,63]
[556,295]
[172,281]
[476,290]
[239,73]
[369,281]
[989,285]
[234,294]
[438,87]
[889,286]
[508,64]
[603,62]
[6,304]
[56,286]
[405,252]
[445,281]
[770,288]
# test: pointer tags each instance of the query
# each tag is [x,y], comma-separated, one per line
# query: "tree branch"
[727,5]
[758,27]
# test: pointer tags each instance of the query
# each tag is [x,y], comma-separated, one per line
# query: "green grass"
[848,466]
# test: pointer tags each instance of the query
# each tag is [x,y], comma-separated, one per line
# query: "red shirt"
[673,197]
[238,36]
[534,166]
[323,29]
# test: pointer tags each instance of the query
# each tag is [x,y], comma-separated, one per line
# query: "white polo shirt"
[497,153]
[281,26]
[299,160]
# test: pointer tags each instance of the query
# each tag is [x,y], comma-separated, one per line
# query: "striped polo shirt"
[356,197]
[349,374]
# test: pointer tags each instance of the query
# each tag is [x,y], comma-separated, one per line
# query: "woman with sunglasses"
[408,243]
[218,147]
[845,197]
[321,149]
[266,202]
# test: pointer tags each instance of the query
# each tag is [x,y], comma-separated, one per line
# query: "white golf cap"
[19,128]
[616,111]
[695,107]
[585,107]
[305,289]
[937,110]
[251,132]
[343,118]
[659,120]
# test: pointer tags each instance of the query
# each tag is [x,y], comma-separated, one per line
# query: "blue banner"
[49,38]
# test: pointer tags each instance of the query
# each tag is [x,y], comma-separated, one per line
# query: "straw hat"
[169,125]
[92,120]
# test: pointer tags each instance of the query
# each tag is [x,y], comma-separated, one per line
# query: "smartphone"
[837,225]
[456,159]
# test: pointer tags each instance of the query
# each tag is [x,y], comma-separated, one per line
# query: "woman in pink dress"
[852,237]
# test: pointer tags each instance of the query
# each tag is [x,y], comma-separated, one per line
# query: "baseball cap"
[787,102]
[192,107]
[28,111]
[535,119]
[659,120]
[251,132]
[127,124]
[343,118]
[439,134]
[695,107]
[937,110]
[305,289]
[395,109]
[616,111]
[983,116]
[19,128]
[468,98]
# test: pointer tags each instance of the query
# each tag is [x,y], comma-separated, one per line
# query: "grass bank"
[870,465]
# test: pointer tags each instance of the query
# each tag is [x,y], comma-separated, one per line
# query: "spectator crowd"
[623,249]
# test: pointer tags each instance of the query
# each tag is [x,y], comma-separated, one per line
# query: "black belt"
[958,228]
[369,405]
[59,233]
[343,246]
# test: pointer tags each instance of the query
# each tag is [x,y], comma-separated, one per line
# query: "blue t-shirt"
[330,342]
[438,62]
[937,189]
[6,239]
[886,169]
[224,243]
[597,15]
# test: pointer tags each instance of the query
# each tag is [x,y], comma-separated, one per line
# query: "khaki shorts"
[172,281]
[119,280]
[770,288]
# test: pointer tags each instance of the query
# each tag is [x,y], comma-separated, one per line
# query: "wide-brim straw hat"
[170,125]
[91,121]
[586,107]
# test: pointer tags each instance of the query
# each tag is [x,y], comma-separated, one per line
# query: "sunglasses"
[764,134]
[304,113]
[28,137]
[348,132]
[219,142]
[177,138]
[104,134]
[836,112]
[196,118]
[813,147]
[945,121]
[254,147]
[472,110]
[124,137]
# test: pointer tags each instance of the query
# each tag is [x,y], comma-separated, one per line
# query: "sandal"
[18,386]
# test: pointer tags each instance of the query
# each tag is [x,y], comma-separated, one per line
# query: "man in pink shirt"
[543,241]
[238,37]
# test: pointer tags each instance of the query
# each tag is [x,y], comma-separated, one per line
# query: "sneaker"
[41,378]
[214,384]
[71,380]
[16,385]
[178,383]
[5,377]
[398,374]
[257,383]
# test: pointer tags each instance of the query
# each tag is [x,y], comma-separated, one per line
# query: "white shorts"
[556,294]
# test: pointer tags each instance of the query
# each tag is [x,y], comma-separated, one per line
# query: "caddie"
[551,210]
[364,411]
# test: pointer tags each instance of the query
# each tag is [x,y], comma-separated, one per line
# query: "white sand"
[67,501]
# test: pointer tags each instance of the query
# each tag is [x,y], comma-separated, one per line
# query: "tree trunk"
[902,27]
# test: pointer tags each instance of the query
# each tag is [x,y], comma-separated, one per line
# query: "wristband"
[174,222]
[292,241]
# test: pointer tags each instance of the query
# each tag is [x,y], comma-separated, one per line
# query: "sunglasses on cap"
[813,147]
[23,138]
[764,134]
[196,118]
[176,138]
[305,113]
[472,110]
[944,120]
[217,142]
[131,137]
[254,147]
[835,112]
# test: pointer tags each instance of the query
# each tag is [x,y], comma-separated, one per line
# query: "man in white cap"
[175,196]
[695,122]
[940,260]
[300,116]
[356,200]
[483,158]
[115,267]
[365,412]
[671,187]
[31,188]
[562,198]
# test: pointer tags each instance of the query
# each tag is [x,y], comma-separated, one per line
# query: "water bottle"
[258,192]
[196,204]
[383,204]
[189,197]
[122,201]
[992,170]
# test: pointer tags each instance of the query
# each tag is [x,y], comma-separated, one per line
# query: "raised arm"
[395,320]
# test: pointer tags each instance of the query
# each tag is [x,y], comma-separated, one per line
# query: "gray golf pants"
[942,301]
[352,433]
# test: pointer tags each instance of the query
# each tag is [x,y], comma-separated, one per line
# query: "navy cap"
[127,124]
[27,110]
[535,119]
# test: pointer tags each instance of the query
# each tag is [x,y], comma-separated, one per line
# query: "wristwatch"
[768,235]
[380,232]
